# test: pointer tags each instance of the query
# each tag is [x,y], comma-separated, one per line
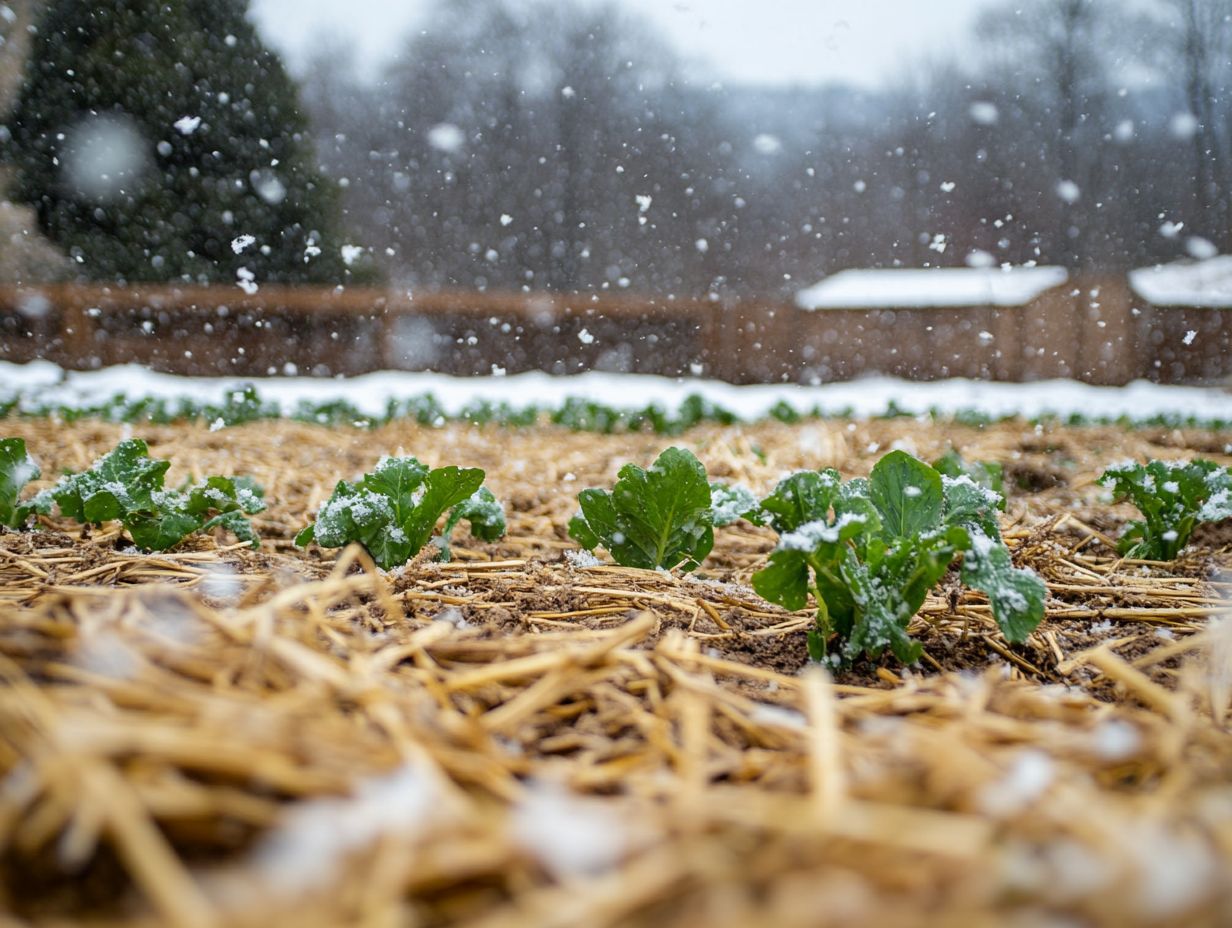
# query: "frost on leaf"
[987,474]
[805,496]
[393,510]
[17,469]
[870,550]
[1015,594]
[1173,497]
[729,502]
[127,485]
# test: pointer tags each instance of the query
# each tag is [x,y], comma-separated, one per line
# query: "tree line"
[550,145]
[562,146]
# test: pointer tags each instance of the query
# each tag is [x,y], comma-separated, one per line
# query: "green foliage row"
[866,551]
[127,486]
[244,404]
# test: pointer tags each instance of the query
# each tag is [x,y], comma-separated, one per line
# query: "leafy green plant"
[393,510]
[659,517]
[127,485]
[988,474]
[246,405]
[870,550]
[1173,497]
[17,469]
[729,502]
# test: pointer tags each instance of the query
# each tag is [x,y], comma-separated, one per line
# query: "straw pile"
[219,737]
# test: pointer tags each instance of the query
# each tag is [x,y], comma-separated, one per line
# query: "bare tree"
[1201,32]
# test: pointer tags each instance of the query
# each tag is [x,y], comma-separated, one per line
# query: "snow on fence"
[1185,311]
[1096,330]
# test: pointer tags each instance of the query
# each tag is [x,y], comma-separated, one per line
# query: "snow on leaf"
[127,485]
[889,539]
[17,469]
[729,502]
[393,510]
[1173,497]
[1016,595]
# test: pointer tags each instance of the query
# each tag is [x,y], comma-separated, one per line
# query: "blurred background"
[786,191]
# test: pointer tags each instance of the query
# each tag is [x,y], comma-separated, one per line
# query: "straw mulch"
[216,736]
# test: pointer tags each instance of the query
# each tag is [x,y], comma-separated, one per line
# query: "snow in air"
[187,125]
[446,137]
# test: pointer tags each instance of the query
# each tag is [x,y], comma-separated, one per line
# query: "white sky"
[746,41]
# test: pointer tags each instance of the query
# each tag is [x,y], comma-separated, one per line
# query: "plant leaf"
[729,502]
[352,513]
[17,469]
[889,541]
[907,493]
[595,525]
[483,514]
[784,580]
[444,488]
[397,479]
[127,485]
[802,497]
[225,494]
[882,623]
[237,523]
[1016,595]
[158,531]
[987,474]
[971,505]
[652,518]
[393,510]
[122,481]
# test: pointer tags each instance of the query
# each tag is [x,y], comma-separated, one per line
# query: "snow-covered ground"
[41,384]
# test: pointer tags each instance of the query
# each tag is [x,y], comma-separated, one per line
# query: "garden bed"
[217,735]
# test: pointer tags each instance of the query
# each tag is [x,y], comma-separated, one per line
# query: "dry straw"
[216,737]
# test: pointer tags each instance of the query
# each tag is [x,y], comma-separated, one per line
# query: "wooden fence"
[1090,331]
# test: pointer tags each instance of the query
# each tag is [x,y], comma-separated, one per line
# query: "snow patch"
[1028,778]
[1205,284]
[906,288]
[580,559]
[41,384]
[569,835]
[305,849]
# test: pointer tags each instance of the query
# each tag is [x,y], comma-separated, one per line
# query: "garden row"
[866,551]
[245,404]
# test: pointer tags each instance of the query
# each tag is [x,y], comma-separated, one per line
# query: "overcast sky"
[759,41]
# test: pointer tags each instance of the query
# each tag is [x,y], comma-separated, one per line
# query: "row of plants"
[865,551]
[244,404]
[393,511]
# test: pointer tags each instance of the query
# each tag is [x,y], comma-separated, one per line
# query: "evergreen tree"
[152,134]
